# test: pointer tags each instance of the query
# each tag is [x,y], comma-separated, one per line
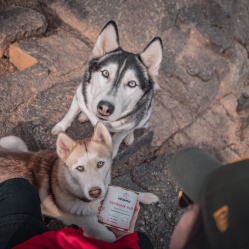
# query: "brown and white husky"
[72,182]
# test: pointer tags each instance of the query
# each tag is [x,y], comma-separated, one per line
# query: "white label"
[118,207]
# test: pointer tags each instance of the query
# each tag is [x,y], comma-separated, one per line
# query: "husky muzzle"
[105,108]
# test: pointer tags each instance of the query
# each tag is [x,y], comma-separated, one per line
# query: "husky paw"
[147,198]
[83,118]
[57,129]
[146,125]
[129,139]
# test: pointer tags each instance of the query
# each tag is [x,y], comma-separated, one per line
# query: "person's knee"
[13,182]
[18,186]
[18,193]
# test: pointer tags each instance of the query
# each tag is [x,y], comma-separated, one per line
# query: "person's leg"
[20,212]
[144,241]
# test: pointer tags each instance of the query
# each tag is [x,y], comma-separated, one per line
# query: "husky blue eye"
[132,84]
[100,164]
[80,168]
[105,73]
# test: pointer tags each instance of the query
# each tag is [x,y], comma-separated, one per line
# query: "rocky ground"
[203,98]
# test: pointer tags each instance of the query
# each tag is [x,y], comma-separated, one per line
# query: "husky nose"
[95,192]
[105,108]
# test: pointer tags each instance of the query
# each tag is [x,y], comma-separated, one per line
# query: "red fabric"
[71,238]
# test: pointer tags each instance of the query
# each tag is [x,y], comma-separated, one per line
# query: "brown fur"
[35,167]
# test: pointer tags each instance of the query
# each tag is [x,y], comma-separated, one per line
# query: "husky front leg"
[83,117]
[129,139]
[73,111]
[117,140]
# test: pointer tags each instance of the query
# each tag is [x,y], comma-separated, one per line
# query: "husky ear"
[152,55]
[107,40]
[64,145]
[102,135]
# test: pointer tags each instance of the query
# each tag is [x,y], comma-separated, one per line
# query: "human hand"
[120,233]
[184,227]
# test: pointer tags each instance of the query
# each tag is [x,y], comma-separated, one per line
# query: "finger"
[134,217]
[137,207]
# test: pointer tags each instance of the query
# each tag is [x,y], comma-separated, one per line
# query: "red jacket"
[71,238]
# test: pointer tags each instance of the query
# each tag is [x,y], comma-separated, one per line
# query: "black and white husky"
[117,88]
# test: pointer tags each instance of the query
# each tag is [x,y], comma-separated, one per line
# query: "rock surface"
[203,98]
[18,23]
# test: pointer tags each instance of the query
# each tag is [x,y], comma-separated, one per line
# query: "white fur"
[13,143]
[125,98]
[152,56]
[104,44]
[147,198]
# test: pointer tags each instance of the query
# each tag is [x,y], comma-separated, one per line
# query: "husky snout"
[105,108]
[95,192]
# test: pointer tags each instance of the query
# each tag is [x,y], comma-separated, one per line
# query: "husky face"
[89,162]
[117,80]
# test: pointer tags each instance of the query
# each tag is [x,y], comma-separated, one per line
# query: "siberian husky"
[72,182]
[117,87]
